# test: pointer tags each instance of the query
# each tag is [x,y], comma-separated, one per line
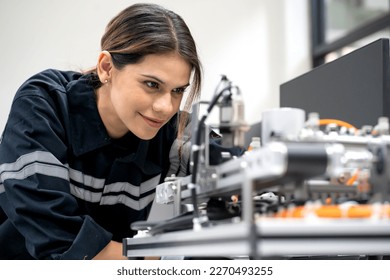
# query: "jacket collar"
[87,129]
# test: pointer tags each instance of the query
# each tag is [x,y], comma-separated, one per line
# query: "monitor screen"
[354,88]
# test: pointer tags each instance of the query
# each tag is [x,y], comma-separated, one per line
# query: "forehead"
[170,68]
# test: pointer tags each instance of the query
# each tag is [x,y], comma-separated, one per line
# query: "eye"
[152,84]
[179,90]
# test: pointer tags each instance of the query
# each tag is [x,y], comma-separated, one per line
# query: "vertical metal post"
[318,26]
[248,210]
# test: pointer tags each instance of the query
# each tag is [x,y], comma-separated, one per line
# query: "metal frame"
[320,48]
[270,237]
[274,238]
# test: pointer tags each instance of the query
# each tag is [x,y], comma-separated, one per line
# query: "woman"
[81,153]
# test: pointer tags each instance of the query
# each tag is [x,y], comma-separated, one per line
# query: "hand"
[113,251]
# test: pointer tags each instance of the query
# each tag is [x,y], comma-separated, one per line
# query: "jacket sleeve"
[35,183]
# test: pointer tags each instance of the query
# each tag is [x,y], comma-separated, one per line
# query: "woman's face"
[142,97]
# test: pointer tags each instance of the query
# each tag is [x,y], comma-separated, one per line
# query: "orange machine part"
[335,211]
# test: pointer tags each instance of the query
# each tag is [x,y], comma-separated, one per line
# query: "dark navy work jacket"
[66,187]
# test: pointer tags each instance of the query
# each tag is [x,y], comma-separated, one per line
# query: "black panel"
[354,88]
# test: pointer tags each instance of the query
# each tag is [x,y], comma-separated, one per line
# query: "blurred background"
[257,44]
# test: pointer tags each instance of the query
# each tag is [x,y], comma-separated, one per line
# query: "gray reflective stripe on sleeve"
[37,168]
[132,190]
[150,184]
[26,159]
[45,163]
[84,194]
[34,163]
[117,198]
[129,202]
[87,180]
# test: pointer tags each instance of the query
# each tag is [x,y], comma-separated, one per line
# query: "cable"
[349,126]
[197,145]
[338,122]
[353,178]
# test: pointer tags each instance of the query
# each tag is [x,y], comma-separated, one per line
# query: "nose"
[163,104]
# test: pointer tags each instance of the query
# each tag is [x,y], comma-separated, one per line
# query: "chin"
[145,136]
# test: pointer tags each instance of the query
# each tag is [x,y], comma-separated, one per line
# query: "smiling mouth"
[153,122]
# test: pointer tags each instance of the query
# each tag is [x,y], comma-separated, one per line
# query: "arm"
[35,176]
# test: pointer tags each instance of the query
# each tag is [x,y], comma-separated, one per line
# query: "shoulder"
[48,80]
[45,91]
[50,85]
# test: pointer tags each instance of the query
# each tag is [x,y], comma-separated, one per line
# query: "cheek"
[126,100]
[123,106]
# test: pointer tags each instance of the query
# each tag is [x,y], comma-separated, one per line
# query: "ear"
[104,67]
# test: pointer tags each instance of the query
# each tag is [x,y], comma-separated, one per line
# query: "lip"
[155,123]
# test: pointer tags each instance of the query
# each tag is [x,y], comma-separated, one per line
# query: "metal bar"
[353,36]
[317,15]
[279,237]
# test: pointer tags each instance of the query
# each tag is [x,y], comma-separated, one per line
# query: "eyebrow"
[154,78]
[161,81]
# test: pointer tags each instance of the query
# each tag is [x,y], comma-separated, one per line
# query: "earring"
[105,81]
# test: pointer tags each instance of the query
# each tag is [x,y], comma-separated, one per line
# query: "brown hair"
[143,29]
